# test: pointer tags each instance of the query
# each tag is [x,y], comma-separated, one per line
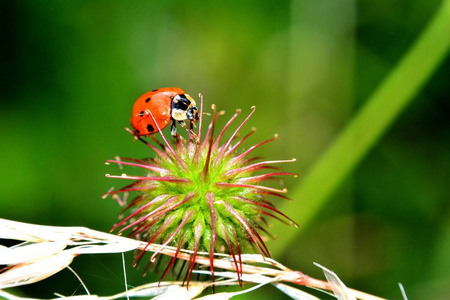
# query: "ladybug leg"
[173,128]
[189,130]
[153,137]
[174,133]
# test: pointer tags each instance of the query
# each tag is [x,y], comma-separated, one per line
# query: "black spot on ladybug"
[155,90]
[141,114]
[147,100]
[150,128]
[137,131]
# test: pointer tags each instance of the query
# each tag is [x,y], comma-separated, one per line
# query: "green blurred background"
[71,71]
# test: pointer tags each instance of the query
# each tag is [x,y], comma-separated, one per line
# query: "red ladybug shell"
[159,103]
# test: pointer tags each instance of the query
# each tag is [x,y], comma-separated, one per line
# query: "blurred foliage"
[71,71]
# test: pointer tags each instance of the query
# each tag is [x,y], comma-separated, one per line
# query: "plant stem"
[366,128]
[280,273]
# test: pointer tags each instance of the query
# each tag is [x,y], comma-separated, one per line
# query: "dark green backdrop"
[71,71]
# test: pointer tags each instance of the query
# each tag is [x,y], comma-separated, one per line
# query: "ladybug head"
[192,113]
[184,107]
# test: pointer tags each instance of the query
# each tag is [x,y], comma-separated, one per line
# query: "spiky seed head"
[201,195]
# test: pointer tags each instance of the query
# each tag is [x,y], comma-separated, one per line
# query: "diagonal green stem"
[364,130]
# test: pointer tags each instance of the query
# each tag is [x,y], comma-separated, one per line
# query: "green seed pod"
[201,195]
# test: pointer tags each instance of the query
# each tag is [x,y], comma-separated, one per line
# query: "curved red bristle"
[172,261]
[232,149]
[250,230]
[268,233]
[141,161]
[197,235]
[230,247]
[216,143]
[201,117]
[145,226]
[111,190]
[134,202]
[227,144]
[210,200]
[198,145]
[271,193]
[241,156]
[146,216]
[167,222]
[249,160]
[143,188]
[262,177]
[210,137]
[155,178]
[275,217]
[160,211]
[210,130]
[254,167]
[186,217]
[159,152]
[236,243]
[257,187]
[149,162]
[169,147]
[256,203]
[144,166]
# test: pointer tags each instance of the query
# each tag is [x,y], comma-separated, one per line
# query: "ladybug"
[167,105]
